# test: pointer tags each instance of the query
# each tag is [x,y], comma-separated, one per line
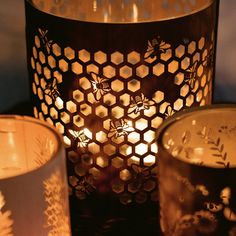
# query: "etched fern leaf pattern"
[45,148]
[57,220]
[6,222]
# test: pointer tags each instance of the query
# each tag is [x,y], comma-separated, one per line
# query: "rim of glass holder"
[58,150]
[180,115]
[161,19]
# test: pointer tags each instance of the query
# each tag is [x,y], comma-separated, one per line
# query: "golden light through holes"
[108,115]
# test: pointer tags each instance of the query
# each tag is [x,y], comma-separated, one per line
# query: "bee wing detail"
[73,133]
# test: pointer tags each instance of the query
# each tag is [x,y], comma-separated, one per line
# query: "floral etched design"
[51,89]
[201,221]
[224,205]
[100,86]
[6,222]
[216,146]
[57,219]
[47,43]
[225,129]
[45,149]
[139,103]
[119,128]
[156,47]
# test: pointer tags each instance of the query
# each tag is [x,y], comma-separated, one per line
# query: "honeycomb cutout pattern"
[108,107]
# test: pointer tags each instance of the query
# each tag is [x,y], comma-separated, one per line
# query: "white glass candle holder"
[197,172]
[33,186]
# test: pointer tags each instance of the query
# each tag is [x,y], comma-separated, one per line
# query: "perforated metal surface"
[108,87]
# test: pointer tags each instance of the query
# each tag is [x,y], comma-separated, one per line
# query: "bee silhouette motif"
[156,47]
[139,103]
[119,128]
[51,89]
[191,74]
[80,138]
[47,43]
[100,86]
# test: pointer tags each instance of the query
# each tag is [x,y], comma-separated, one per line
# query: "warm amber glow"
[59,103]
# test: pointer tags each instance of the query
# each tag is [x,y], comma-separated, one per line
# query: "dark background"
[14,87]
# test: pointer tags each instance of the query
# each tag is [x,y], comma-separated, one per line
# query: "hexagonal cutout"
[125,72]
[158,96]
[141,124]
[190,100]
[69,53]
[51,61]
[134,137]
[71,107]
[133,58]
[184,90]
[118,187]
[42,57]
[167,55]
[134,85]
[100,57]
[117,112]
[109,149]
[149,136]
[185,63]
[173,66]
[149,160]
[37,41]
[192,47]
[179,78]
[141,149]
[117,85]
[56,50]
[201,43]
[101,111]
[125,99]
[65,117]
[84,55]
[125,150]
[63,65]
[180,51]
[142,71]
[125,175]
[117,162]
[94,148]
[109,71]
[117,58]
[77,68]
[102,161]
[109,99]
[158,69]
[85,109]
[78,96]
[101,137]
[78,121]
[60,127]
[156,122]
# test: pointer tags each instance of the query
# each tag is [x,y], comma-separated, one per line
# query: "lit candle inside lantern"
[140,148]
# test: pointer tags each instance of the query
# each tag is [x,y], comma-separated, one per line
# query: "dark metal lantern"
[107,86]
